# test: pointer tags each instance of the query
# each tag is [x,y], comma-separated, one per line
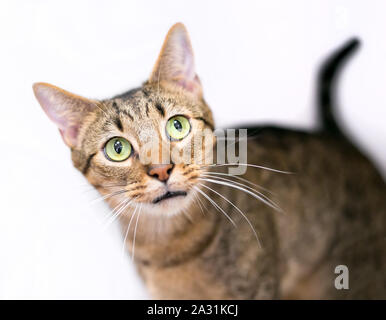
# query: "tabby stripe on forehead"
[128,114]
[118,123]
[205,122]
[160,109]
[115,106]
[118,112]
[88,163]
[145,92]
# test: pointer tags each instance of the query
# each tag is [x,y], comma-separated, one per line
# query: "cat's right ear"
[65,109]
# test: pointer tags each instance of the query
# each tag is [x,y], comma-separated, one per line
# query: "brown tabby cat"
[178,218]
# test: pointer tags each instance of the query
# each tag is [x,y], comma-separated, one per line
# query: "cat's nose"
[160,171]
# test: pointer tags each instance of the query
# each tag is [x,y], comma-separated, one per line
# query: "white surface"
[256,59]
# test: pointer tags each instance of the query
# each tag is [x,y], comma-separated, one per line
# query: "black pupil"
[118,146]
[177,125]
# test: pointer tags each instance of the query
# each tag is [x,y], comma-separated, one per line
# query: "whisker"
[95,187]
[112,194]
[108,215]
[119,211]
[198,201]
[248,165]
[237,208]
[241,179]
[117,208]
[202,203]
[245,186]
[97,105]
[243,189]
[187,215]
[215,204]
[135,232]
[128,228]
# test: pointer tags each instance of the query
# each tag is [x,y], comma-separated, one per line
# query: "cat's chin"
[169,203]
[169,195]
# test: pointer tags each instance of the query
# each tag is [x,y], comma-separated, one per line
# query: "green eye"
[177,127]
[118,149]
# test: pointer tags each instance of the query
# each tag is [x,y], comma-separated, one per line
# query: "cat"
[323,211]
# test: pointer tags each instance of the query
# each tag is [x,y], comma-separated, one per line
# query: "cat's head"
[141,147]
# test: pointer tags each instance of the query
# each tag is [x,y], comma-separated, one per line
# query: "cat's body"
[332,204]
[325,222]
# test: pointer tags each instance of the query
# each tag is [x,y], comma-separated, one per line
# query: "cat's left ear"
[68,111]
[175,63]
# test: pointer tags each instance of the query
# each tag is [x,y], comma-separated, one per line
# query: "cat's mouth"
[168,195]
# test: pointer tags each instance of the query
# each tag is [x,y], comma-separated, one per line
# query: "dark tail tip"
[327,78]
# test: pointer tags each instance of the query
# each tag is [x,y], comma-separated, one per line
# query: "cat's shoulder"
[273,134]
[273,140]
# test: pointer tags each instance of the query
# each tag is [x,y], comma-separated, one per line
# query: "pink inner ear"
[176,61]
[51,104]
[182,61]
[66,110]
[186,57]
[53,107]
[59,120]
[189,85]
[70,135]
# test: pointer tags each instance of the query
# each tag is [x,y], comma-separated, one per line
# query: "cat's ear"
[65,109]
[175,62]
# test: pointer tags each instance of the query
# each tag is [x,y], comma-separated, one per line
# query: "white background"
[257,61]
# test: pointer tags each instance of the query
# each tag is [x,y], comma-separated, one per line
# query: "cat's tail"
[326,91]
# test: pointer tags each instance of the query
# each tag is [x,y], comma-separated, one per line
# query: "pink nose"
[160,171]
